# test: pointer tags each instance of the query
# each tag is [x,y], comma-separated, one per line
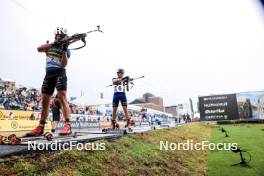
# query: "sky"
[184,49]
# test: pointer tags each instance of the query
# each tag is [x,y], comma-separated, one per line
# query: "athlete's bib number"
[53,60]
[119,88]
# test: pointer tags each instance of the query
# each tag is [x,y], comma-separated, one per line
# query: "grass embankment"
[138,154]
[249,137]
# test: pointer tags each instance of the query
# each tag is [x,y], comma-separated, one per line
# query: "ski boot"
[38,131]
[128,127]
[66,130]
[113,127]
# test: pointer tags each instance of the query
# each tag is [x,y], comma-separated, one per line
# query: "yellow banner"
[20,126]
[5,114]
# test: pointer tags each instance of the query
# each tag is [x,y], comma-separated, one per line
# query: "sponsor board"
[244,105]
[12,126]
[80,124]
[4,114]
[218,107]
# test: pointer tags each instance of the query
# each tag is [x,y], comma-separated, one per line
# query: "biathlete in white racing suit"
[120,83]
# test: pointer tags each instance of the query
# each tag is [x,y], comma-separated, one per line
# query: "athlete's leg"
[115,107]
[114,113]
[45,108]
[39,130]
[47,90]
[127,116]
[114,123]
[124,105]
[126,112]
[64,103]
[65,111]
[55,121]
[61,86]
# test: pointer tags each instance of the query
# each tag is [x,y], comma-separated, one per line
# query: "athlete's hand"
[56,43]
[44,47]
[125,79]
[75,35]
[64,46]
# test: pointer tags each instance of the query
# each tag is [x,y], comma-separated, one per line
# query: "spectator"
[56,113]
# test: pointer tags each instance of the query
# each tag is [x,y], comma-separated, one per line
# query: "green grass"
[249,137]
[140,154]
[132,155]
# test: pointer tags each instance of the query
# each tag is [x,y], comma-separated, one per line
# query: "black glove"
[56,43]
[125,79]
[64,47]
[63,44]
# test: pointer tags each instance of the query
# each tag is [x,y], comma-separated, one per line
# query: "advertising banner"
[218,107]
[13,126]
[80,125]
[244,105]
[250,105]
[5,114]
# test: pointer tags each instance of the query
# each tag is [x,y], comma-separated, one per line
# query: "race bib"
[119,88]
[53,61]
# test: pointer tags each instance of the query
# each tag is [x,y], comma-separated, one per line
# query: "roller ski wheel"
[75,134]
[128,130]
[104,130]
[116,127]
[48,136]
[13,139]
[3,140]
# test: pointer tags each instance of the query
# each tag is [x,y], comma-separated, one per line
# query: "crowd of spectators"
[20,99]
[30,99]
[88,110]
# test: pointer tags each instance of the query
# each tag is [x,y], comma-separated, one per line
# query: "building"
[172,110]
[149,100]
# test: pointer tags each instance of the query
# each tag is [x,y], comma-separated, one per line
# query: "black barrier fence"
[240,121]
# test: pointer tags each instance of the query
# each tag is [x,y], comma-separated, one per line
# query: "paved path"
[11,150]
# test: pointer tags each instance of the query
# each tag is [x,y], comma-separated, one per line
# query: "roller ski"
[13,139]
[128,128]
[114,129]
